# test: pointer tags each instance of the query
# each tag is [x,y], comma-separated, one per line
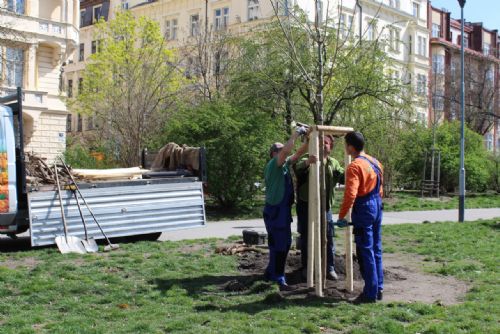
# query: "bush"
[236,141]
[79,155]
[477,164]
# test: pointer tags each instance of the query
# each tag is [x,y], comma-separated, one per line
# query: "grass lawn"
[399,201]
[173,287]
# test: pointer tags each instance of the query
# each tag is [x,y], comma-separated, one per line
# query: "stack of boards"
[131,173]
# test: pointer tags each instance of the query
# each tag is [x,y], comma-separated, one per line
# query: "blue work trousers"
[367,221]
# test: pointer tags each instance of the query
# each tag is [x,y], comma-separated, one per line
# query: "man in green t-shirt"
[334,173]
[277,211]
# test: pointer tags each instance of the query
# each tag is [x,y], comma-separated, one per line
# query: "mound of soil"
[404,279]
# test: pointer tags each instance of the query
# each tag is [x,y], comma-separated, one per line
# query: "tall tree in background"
[129,84]
[207,54]
[295,67]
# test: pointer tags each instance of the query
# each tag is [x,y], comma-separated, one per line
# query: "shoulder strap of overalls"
[375,166]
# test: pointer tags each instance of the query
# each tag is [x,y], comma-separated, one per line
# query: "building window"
[370,31]
[436,30]
[395,3]
[124,4]
[253,10]
[438,64]
[218,19]
[486,49]
[488,141]
[195,25]
[422,117]
[174,29]
[70,88]
[81,54]
[79,123]
[225,18]
[416,10]
[345,24]
[171,29]
[16,6]
[422,46]
[94,47]
[69,123]
[490,75]
[221,18]
[438,101]
[421,84]
[410,45]
[80,85]
[96,13]
[466,41]
[394,36]
[82,17]
[90,122]
[15,67]
[168,33]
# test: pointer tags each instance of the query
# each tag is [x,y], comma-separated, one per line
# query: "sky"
[486,11]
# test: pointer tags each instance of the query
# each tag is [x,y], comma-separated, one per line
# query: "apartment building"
[89,13]
[36,39]
[482,94]
[401,22]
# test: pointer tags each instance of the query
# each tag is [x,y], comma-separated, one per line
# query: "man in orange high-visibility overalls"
[363,192]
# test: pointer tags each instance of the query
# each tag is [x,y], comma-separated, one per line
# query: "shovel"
[67,243]
[89,244]
[110,246]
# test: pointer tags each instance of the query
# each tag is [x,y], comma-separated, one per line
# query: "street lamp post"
[461,203]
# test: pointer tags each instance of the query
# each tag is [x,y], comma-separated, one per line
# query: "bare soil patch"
[25,262]
[405,280]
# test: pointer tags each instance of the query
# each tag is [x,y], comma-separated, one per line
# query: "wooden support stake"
[322,220]
[349,280]
[314,178]
[312,206]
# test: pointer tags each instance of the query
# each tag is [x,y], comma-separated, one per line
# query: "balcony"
[23,26]
[38,100]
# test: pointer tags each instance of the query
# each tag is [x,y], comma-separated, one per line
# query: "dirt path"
[405,280]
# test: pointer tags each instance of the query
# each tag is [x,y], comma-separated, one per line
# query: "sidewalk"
[224,229]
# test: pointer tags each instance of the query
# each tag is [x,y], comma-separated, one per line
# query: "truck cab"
[13,198]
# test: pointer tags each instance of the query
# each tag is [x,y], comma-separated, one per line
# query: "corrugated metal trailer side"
[124,209]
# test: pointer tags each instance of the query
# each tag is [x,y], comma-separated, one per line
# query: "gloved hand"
[342,223]
[301,130]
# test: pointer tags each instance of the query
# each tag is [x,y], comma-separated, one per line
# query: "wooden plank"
[313,147]
[349,282]
[334,130]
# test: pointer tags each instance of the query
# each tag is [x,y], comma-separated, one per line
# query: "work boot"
[332,275]
[380,295]
[362,299]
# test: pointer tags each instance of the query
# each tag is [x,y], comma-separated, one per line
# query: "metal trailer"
[143,207]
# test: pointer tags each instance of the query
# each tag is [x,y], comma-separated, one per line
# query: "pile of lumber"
[38,171]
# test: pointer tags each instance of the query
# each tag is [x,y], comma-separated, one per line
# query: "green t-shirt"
[334,173]
[274,180]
